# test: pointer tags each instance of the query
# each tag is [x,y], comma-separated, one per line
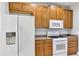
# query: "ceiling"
[66,4]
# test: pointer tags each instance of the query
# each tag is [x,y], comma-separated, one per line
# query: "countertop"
[45,37]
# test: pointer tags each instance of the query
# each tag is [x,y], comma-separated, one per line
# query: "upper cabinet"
[68,18]
[45,17]
[15,7]
[27,8]
[60,11]
[53,12]
[56,13]
[20,7]
[43,13]
[38,16]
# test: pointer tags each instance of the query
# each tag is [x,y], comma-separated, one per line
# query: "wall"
[43,31]
[75,29]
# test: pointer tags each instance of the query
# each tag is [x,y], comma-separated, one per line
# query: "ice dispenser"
[10,38]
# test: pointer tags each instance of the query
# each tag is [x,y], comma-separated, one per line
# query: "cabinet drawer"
[72,50]
[71,44]
[72,40]
[37,42]
[48,41]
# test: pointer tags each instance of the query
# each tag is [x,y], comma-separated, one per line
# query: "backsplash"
[44,31]
[40,31]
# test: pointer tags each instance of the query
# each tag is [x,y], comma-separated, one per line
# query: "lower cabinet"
[72,45]
[48,50]
[72,50]
[39,50]
[43,47]
[48,47]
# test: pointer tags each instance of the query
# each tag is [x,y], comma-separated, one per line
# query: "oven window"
[60,47]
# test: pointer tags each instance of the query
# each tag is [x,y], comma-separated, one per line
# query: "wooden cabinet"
[19,7]
[15,6]
[27,8]
[56,13]
[43,47]
[60,11]
[68,18]
[39,48]
[41,16]
[38,16]
[43,13]
[72,45]
[48,47]
[53,12]
[45,17]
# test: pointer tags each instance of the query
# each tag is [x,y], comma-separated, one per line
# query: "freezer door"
[8,26]
[26,36]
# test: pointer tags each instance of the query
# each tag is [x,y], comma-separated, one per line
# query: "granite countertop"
[41,37]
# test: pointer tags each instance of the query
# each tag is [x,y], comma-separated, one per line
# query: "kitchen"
[53,27]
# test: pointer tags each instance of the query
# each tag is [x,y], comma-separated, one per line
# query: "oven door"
[59,46]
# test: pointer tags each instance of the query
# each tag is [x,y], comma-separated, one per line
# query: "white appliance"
[60,46]
[17,35]
[59,43]
[55,23]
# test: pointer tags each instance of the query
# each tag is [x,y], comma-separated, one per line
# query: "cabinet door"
[15,6]
[38,16]
[68,18]
[72,45]
[72,50]
[48,49]
[45,17]
[60,13]
[39,48]
[27,8]
[53,12]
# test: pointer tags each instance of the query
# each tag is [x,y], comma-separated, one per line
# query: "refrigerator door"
[26,36]
[8,26]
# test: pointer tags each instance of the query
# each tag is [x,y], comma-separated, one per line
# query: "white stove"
[60,46]
[59,43]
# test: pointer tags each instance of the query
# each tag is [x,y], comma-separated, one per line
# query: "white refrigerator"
[17,35]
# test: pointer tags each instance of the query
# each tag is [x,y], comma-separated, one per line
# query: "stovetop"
[60,36]
[57,36]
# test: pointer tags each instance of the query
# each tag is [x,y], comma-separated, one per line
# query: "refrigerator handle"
[20,47]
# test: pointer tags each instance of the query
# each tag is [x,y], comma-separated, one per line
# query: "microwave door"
[56,24]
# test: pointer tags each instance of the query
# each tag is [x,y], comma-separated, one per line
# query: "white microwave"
[55,23]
